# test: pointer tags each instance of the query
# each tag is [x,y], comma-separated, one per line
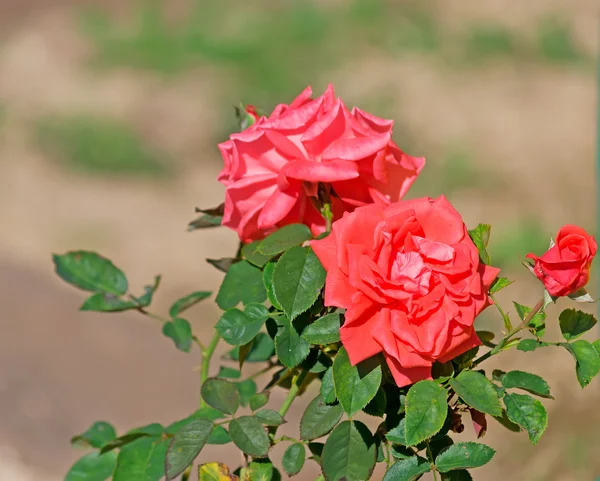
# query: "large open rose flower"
[280,169]
[411,282]
[565,267]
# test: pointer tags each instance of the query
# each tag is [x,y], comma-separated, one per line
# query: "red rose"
[565,267]
[411,282]
[276,170]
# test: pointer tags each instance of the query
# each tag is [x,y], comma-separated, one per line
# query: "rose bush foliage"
[340,281]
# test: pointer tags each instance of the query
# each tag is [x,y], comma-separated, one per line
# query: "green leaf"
[325,330]
[262,349]
[188,301]
[574,323]
[268,272]
[527,345]
[499,284]
[185,446]
[229,372]
[106,302]
[319,418]
[261,470]
[526,381]
[537,322]
[243,283]
[293,458]
[480,237]
[281,240]
[268,417]
[426,410]
[259,400]
[477,391]
[205,221]
[223,264]
[240,327]
[588,360]
[298,280]
[219,435]
[208,413]
[215,472]
[142,460]
[356,385]
[460,475]
[291,349]
[409,469]
[93,467]
[463,456]
[221,395]
[327,387]
[596,345]
[91,272]
[146,299]
[251,253]
[349,453]
[96,436]
[248,434]
[527,412]
[180,331]
[246,390]
[398,433]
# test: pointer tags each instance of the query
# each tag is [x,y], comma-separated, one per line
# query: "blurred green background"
[110,113]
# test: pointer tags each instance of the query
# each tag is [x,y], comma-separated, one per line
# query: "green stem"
[328,216]
[206,357]
[537,308]
[297,381]
[505,318]
[430,456]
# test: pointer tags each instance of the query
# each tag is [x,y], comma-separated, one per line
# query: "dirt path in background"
[63,369]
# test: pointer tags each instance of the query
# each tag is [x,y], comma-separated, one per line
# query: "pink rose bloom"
[279,169]
[410,279]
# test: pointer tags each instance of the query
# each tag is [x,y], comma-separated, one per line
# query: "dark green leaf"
[262,349]
[349,453]
[426,410]
[463,456]
[327,387]
[297,280]
[527,412]
[507,423]
[291,349]
[319,419]
[122,441]
[377,406]
[219,435]
[247,390]
[223,264]
[106,302]
[480,237]
[268,417]
[248,434]
[460,475]
[240,327]
[537,322]
[229,373]
[574,323]
[208,413]
[253,255]
[398,433]
[96,436]
[185,445]
[281,240]
[317,362]
[529,382]
[259,400]
[477,391]
[527,345]
[325,330]
[205,221]
[243,283]
[91,272]
[146,299]
[180,331]
[293,458]
[588,360]
[92,467]
[188,301]
[221,395]
[356,385]
[408,469]
[499,284]
[268,272]
[142,460]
